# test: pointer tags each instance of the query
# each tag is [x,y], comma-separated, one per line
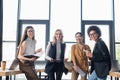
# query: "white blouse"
[30,47]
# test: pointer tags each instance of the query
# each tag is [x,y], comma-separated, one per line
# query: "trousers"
[28,68]
[76,74]
[56,72]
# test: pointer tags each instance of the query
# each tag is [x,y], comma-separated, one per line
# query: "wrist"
[75,65]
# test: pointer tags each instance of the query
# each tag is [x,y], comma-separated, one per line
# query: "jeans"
[93,76]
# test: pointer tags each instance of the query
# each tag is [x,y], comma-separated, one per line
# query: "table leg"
[10,77]
[7,77]
[111,77]
[117,78]
[14,77]
[40,75]
[0,78]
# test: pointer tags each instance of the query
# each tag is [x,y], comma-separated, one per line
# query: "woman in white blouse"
[27,47]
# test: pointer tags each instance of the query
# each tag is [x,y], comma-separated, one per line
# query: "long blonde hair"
[54,37]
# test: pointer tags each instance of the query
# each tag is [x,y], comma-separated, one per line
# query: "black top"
[101,61]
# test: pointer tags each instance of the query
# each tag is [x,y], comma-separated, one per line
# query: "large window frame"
[83,23]
[101,20]
[21,22]
[1,28]
[117,24]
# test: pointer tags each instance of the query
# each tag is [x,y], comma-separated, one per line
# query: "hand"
[66,59]
[89,55]
[52,60]
[32,59]
[87,51]
[75,67]
[39,50]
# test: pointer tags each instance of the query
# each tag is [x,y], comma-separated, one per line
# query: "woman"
[55,56]
[79,58]
[27,47]
[100,58]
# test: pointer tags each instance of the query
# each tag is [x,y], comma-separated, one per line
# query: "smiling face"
[79,38]
[58,35]
[30,33]
[93,35]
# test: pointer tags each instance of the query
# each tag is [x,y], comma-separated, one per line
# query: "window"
[93,10]
[117,32]
[9,29]
[34,9]
[94,14]
[65,15]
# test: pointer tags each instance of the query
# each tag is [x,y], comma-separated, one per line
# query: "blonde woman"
[55,56]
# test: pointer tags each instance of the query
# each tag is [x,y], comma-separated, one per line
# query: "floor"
[65,77]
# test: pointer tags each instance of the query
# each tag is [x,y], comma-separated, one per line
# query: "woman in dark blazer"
[100,58]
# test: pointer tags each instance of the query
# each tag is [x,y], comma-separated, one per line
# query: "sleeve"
[73,54]
[101,52]
[47,51]
[104,50]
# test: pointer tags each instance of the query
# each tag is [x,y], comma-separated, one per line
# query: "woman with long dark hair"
[27,47]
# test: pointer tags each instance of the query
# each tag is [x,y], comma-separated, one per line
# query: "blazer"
[101,61]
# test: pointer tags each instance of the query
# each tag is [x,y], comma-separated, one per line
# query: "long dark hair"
[25,36]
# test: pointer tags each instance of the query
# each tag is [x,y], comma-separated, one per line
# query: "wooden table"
[9,72]
[14,72]
[116,75]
